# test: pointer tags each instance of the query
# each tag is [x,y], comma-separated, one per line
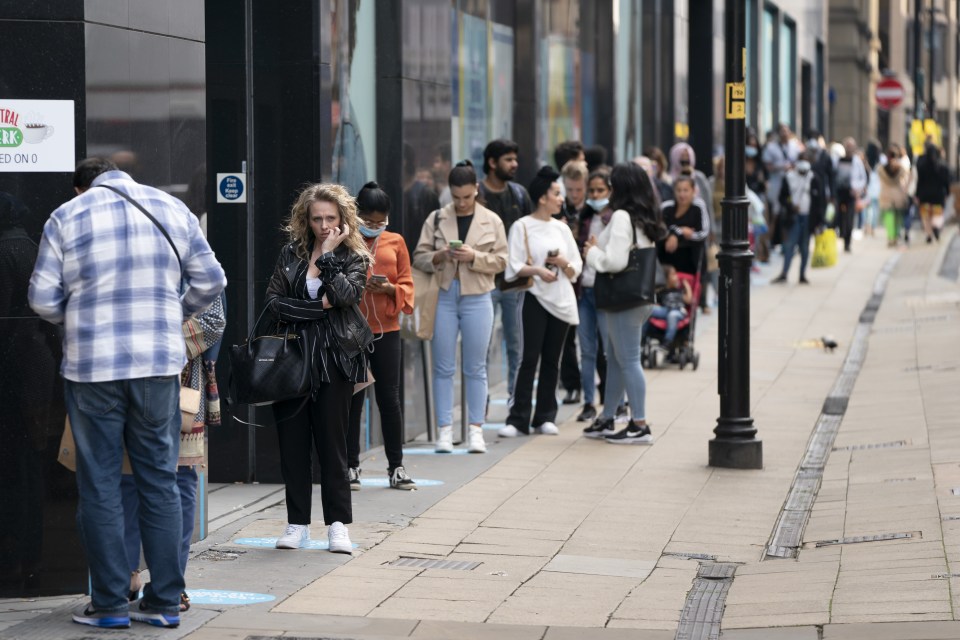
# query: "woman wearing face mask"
[683,162]
[595,216]
[389,292]
[465,244]
[542,247]
[687,227]
[802,201]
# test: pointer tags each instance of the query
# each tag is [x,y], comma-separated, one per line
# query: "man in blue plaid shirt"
[106,272]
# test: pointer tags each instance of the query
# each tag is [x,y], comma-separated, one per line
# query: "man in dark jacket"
[933,184]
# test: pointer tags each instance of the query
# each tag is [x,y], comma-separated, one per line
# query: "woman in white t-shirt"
[543,248]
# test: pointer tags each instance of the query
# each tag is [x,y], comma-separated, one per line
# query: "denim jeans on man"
[508,301]
[472,318]
[144,415]
[188,482]
[620,331]
[587,334]
[797,236]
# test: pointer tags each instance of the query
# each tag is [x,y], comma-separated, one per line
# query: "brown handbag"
[520,284]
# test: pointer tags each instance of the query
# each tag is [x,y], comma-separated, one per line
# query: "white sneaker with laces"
[508,431]
[547,429]
[476,443]
[339,538]
[294,536]
[444,440]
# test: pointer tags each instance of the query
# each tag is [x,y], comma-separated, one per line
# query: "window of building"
[768,37]
[787,72]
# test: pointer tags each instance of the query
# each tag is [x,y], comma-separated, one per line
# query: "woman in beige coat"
[465,245]
[894,194]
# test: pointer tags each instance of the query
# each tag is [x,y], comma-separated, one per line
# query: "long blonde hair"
[298,226]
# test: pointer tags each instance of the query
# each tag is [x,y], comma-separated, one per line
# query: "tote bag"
[635,286]
[270,368]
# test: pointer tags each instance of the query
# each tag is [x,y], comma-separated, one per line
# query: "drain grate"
[875,445]
[432,563]
[703,609]
[689,556]
[858,539]
[950,518]
[218,556]
[899,480]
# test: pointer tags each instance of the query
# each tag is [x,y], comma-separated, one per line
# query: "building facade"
[334,90]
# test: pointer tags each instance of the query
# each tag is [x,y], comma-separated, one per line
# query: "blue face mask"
[367,232]
[598,205]
[751,152]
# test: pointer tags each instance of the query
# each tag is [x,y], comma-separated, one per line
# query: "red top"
[392,260]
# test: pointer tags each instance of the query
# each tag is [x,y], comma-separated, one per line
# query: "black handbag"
[635,286]
[270,368]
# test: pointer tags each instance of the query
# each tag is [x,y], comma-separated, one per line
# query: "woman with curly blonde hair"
[315,290]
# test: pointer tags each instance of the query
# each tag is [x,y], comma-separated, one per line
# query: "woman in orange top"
[389,292]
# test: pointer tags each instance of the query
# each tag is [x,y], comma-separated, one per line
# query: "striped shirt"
[109,276]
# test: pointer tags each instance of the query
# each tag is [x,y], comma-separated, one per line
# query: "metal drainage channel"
[703,609]
[787,536]
[433,563]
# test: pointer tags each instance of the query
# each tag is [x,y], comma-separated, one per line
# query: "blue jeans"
[507,301]
[471,316]
[587,334]
[144,415]
[798,235]
[621,332]
[673,318]
[187,481]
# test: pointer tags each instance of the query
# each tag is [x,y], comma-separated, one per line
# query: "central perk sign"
[889,93]
[37,136]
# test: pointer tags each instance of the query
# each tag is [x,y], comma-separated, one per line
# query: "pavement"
[563,537]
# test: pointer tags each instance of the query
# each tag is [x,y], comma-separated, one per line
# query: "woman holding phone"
[543,248]
[315,289]
[465,245]
[389,292]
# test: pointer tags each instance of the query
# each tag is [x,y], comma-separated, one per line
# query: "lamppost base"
[736,453]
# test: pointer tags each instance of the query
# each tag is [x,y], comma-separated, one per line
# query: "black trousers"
[846,212]
[385,366]
[541,341]
[322,423]
[569,367]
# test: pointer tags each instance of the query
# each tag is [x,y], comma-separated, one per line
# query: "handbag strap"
[152,219]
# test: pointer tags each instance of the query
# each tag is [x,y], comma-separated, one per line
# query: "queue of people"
[341,284]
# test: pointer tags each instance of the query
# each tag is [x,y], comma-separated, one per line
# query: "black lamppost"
[736,445]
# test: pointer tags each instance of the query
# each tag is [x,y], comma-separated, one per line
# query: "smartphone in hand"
[379,279]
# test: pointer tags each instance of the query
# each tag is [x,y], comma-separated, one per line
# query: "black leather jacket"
[340,335]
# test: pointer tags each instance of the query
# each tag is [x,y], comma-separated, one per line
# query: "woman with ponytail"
[388,293]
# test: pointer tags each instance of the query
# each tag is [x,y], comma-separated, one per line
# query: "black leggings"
[542,337]
[386,367]
[322,422]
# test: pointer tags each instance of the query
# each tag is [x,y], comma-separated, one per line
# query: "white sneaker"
[294,536]
[508,431]
[339,538]
[444,440]
[477,445]
[547,429]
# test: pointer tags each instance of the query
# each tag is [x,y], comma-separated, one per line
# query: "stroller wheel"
[653,358]
[696,361]
[682,359]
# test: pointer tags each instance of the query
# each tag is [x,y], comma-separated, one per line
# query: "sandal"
[184,602]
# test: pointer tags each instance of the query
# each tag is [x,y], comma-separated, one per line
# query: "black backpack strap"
[152,219]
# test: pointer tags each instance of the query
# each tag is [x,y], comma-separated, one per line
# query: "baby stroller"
[684,352]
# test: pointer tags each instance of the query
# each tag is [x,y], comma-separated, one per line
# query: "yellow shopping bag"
[825,249]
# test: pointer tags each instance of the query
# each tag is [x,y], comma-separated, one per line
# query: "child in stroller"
[669,328]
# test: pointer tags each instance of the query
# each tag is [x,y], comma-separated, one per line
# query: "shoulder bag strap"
[152,219]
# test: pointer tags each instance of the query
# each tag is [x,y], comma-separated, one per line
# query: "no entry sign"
[889,93]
